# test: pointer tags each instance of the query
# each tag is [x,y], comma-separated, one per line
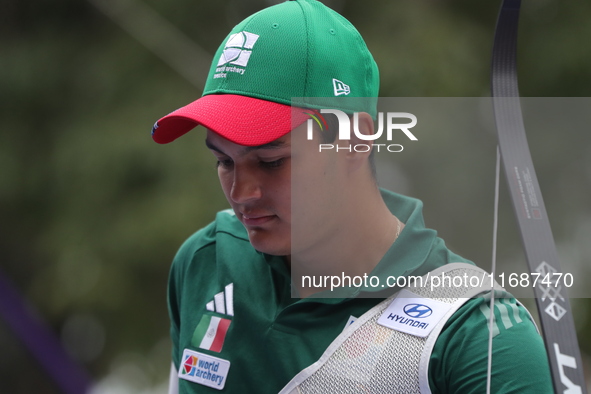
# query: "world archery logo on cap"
[340,88]
[237,51]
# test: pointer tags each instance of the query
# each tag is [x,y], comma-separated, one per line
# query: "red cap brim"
[243,120]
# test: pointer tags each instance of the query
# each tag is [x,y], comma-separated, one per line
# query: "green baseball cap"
[297,54]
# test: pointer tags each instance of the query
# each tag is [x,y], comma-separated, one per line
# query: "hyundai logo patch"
[412,314]
[417,310]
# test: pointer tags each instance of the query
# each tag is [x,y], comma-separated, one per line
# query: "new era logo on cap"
[236,50]
[340,87]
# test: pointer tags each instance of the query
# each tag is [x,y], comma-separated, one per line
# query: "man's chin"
[268,243]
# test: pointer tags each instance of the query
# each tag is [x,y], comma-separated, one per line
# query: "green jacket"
[231,303]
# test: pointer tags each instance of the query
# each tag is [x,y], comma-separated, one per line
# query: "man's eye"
[224,163]
[272,164]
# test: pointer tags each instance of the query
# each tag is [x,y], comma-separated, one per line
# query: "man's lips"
[256,220]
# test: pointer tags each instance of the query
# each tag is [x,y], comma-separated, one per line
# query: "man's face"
[288,178]
[257,183]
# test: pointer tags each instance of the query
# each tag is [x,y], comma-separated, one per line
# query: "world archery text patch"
[413,314]
[203,369]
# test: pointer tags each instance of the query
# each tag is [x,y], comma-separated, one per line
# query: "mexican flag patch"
[211,332]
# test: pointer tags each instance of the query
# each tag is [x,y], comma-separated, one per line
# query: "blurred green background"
[92,211]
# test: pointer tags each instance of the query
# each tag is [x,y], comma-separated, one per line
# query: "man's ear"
[361,148]
[364,122]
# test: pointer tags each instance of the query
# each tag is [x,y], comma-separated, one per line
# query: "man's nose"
[245,187]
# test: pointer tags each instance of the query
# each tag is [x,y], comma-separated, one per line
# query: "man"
[301,215]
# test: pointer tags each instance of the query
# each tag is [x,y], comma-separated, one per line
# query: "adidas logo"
[223,302]
[210,333]
[340,87]
[236,50]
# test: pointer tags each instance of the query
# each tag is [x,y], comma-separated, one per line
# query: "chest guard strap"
[368,357]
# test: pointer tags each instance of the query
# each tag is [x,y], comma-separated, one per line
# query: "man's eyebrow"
[270,145]
[212,146]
